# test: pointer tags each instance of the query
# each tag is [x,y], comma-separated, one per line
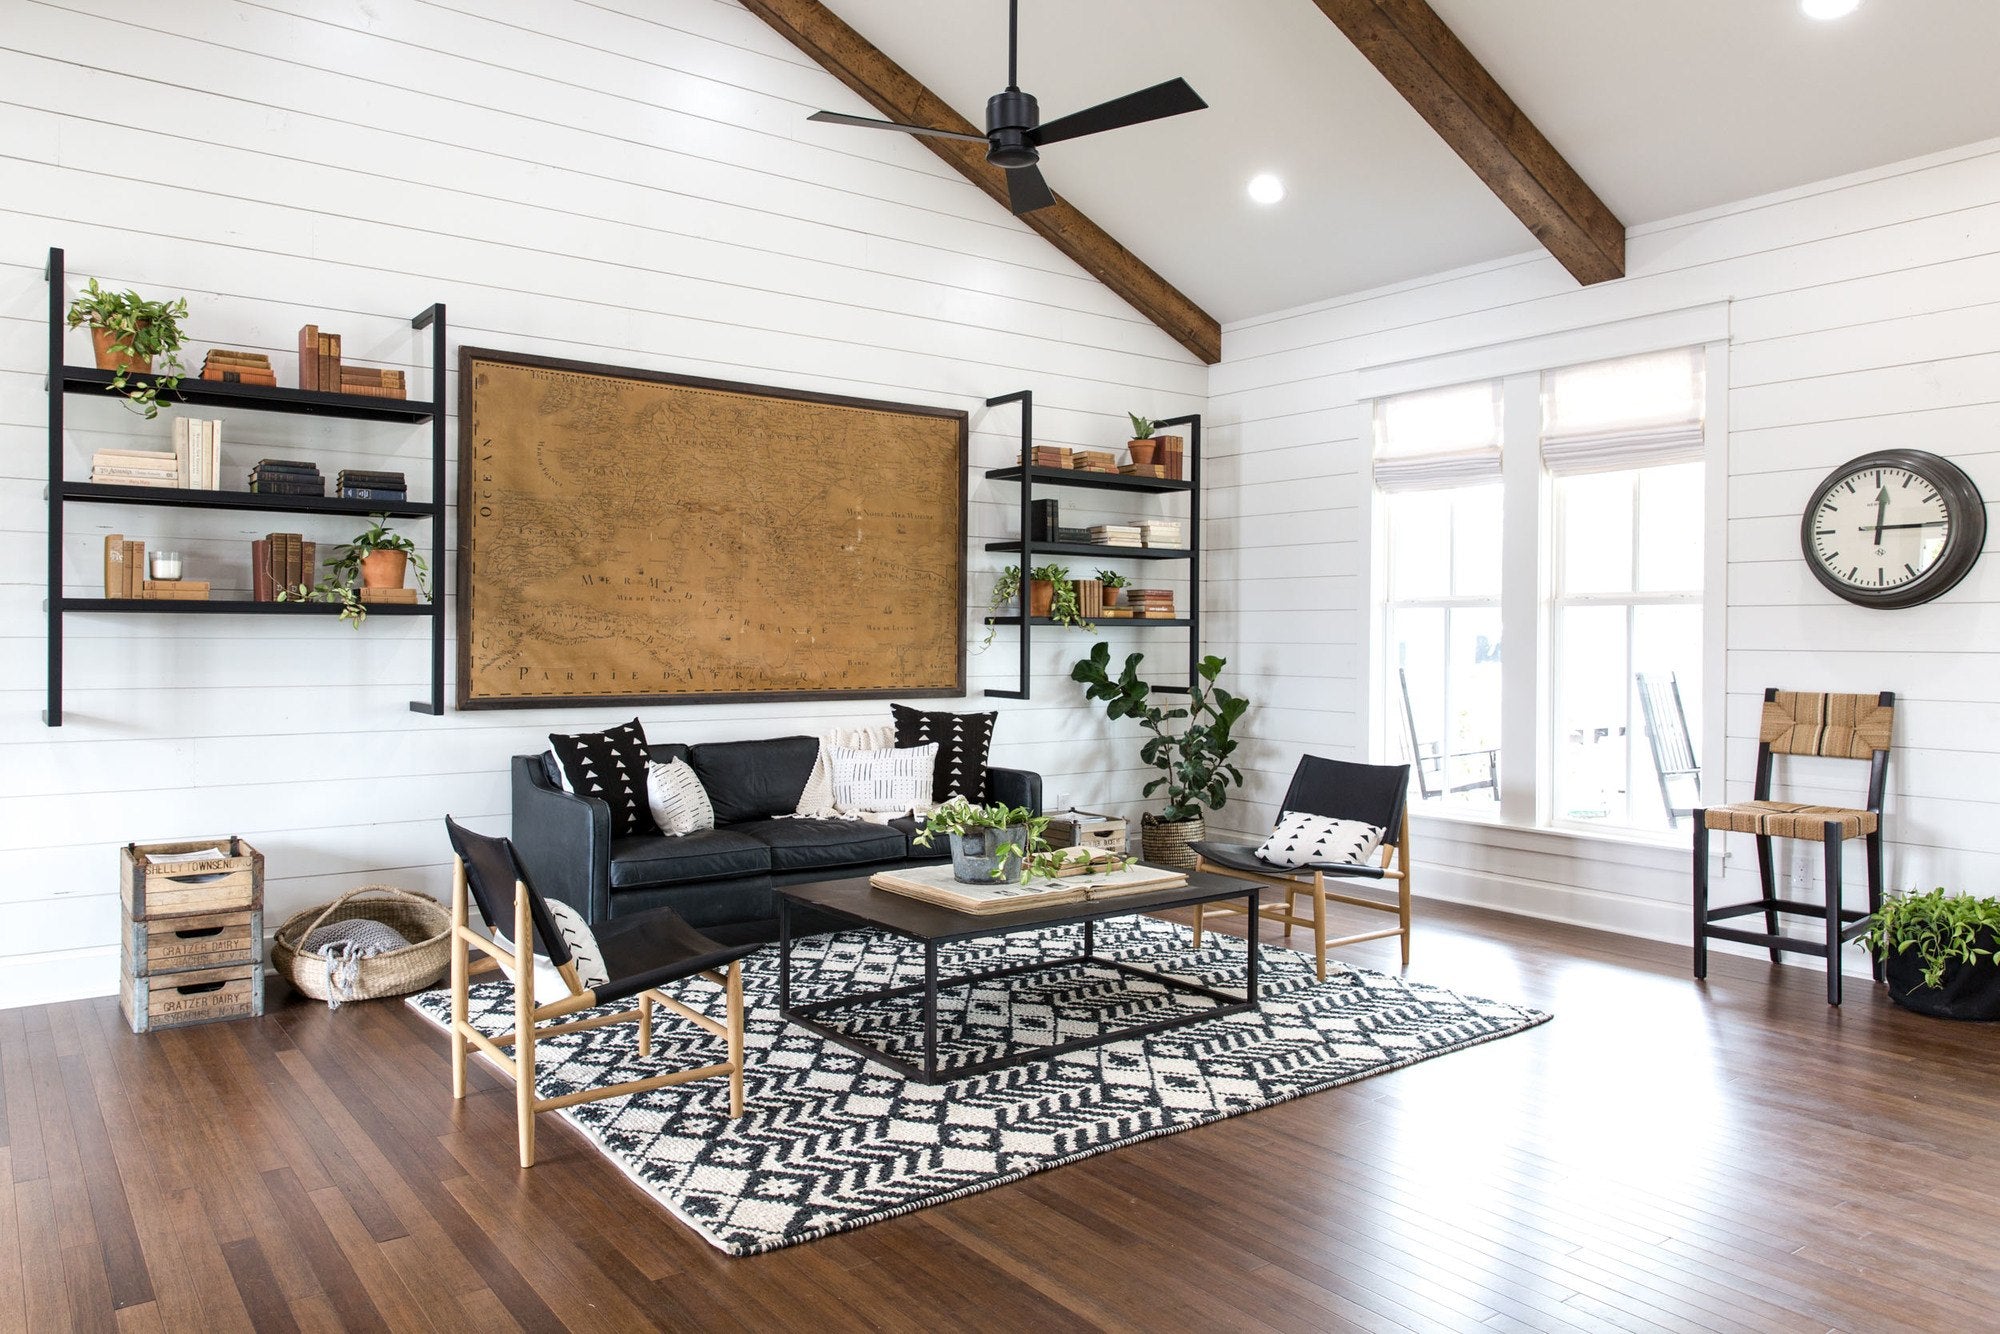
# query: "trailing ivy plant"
[346,562]
[1006,588]
[352,609]
[1940,927]
[141,329]
[1038,859]
[1193,758]
[1064,609]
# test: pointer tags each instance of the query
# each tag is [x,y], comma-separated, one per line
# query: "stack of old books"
[1151,604]
[1116,535]
[237,367]
[1052,456]
[1089,599]
[1160,532]
[281,560]
[371,382]
[1094,460]
[362,484]
[286,477]
[198,448]
[406,596]
[135,467]
[319,359]
[125,575]
[1143,469]
[1173,450]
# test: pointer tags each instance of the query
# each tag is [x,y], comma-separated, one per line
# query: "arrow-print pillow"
[1303,839]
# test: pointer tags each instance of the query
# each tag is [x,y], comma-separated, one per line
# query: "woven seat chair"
[1842,727]
[640,953]
[1375,794]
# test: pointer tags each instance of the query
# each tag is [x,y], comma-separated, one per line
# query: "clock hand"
[1881,512]
[1881,528]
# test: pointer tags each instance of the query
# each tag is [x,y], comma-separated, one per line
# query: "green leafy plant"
[1006,588]
[1064,608]
[1039,860]
[1193,758]
[1940,927]
[142,330]
[352,609]
[1113,579]
[346,562]
[1142,428]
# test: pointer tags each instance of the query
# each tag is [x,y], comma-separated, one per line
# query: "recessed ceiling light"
[1829,9]
[1266,188]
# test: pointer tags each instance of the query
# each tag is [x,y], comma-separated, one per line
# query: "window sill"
[1557,838]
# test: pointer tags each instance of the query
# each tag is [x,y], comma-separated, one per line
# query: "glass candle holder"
[166,565]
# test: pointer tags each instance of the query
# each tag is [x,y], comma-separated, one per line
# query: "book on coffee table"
[936,884]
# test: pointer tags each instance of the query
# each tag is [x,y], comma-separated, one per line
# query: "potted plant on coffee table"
[987,842]
[1940,953]
[1141,446]
[1189,746]
[127,334]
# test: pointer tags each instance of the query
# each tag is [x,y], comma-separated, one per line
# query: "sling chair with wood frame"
[641,953]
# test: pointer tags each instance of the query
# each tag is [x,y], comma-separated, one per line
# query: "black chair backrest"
[1666,724]
[1342,790]
[491,872]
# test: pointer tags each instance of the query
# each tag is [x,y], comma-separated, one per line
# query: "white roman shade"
[1636,412]
[1438,438]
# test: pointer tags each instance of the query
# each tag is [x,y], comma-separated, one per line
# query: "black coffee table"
[932,925]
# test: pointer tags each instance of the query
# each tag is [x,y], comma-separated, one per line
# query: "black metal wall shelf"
[1025,547]
[64,380]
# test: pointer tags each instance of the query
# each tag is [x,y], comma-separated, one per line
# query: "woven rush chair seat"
[1787,819]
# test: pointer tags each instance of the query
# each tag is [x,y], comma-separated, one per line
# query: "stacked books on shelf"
[1094,460]
[319,359]
[1173,451]
[135,467]
[237,367]
[125,575]
[1053,456]
[198,448]
[286,477]
[1116,535]
[371,382]
[361,484]
[1160,532]
[281,560]
[1151,604]
[405,596]
[1143,470]
[1089,599]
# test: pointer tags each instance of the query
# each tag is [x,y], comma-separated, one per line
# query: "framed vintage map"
[638,538]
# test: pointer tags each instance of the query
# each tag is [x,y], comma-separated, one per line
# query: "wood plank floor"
[1663,1156]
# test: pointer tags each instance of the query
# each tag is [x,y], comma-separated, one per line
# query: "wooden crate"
[1081,829]
[150,889]
[176,1000]
[205,940]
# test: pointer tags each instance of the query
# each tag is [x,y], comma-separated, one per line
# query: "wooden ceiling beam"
[1424,61]
[899,96]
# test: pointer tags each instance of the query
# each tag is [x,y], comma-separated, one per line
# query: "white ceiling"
[1663,107]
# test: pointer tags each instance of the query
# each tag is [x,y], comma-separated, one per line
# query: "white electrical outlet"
[1060,803]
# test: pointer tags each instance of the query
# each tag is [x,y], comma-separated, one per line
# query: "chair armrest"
[563,841]
[1015,787]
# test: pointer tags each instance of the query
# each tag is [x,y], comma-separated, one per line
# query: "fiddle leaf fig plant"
[141,330]
[1189,746]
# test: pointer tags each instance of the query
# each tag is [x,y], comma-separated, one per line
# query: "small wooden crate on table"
[1081,829]
[192,948]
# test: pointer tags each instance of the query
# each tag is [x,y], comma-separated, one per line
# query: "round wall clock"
[1893,529]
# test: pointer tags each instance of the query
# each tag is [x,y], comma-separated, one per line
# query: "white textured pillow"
[550,985]
[817,799]
[679,802]
[1302,839]
[894,780]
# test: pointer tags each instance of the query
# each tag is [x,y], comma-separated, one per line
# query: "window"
[1438,466]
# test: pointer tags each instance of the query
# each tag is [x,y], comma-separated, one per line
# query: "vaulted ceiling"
[1664,108]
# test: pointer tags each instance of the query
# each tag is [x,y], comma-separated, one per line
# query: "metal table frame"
[1089,915]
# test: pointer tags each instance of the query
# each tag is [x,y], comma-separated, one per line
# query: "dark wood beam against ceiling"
[893,91]
[1425,62]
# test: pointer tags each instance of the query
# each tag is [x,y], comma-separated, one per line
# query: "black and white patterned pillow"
[1302,839]
[550,985]
[896,781]
[610,766]
[963,740]
[679,802]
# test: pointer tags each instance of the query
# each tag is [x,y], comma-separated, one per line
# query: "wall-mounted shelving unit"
[64,380]
[1025,548]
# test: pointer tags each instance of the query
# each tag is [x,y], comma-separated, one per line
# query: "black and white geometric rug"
[831,1141]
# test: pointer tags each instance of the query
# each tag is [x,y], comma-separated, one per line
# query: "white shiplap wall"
[630,182]
[1864,313]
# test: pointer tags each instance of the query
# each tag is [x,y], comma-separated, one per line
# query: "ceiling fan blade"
[1161,100]
[835,118]
[1027,191]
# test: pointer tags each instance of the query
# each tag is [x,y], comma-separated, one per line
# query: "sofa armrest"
[563,840]
[1015,787]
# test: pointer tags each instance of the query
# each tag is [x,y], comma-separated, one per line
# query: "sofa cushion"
[705,854]
[963,741]
[749,780]
[807,845]
[610,766]
[909,826]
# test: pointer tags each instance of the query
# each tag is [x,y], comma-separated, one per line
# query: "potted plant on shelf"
[127,334]
[352,609]
[1006,588]
[1141,446]
[1051,594]
[1112,581]
[1193,761]
[987,842]
[379,558]
[1940,953]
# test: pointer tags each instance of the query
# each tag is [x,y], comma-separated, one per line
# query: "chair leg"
[1403,888]
[1197,925]
[1319,923]
[1291,909]
[1875,887]
[1767,874]
[1833,838]
[1700,894]
[461,981]
[735,1005]
[645,1023]
[524,1024]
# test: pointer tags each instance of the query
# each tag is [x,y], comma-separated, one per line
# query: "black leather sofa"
[721,877]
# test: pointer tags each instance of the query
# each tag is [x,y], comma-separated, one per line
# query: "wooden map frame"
[514,479]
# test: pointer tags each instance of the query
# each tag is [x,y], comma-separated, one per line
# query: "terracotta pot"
[1041,597]
[1110,596]
[384,569]
[109,359]
[1167,844]
[1143,450]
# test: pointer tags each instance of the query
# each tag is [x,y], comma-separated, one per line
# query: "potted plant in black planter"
[987,842]
[1940,953]
[1193,761]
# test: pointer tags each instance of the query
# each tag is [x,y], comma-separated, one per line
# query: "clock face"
[1893,529]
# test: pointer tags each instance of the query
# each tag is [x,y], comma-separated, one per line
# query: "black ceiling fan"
[1014,132]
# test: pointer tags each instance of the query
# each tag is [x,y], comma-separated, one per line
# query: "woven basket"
[420,919]
[1167,844]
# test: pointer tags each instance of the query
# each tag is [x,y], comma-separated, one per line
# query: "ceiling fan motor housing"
[1009,118]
